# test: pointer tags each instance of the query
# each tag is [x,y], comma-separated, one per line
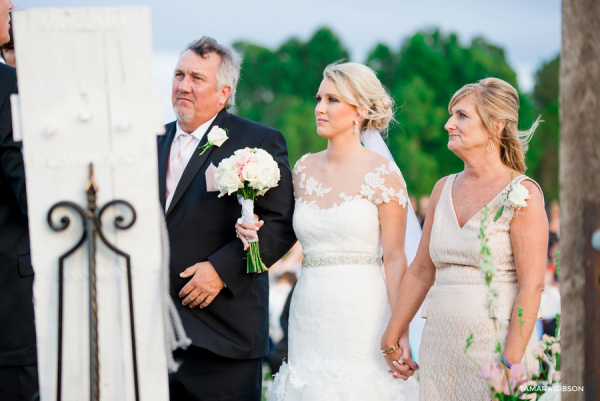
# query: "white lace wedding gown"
[340,306]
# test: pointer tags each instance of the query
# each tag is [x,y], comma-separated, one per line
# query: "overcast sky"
[529,30]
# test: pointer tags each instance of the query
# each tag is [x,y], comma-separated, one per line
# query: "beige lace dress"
[455,306]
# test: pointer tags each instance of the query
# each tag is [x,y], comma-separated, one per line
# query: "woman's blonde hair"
[496,100]
[359,86]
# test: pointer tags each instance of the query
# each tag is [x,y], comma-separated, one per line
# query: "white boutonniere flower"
[515,199]
[216,137]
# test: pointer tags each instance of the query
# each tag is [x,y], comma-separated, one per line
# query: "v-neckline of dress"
[480,210]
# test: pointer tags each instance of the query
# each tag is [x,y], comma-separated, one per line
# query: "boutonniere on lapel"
[516,195]
[216,137]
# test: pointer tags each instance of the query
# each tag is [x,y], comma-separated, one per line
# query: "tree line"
[278,88]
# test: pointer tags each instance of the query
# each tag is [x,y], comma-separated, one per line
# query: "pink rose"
[242,159]
[238,170]
[493,375]
[517,376]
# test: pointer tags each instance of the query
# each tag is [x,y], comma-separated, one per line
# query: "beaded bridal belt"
[341,260]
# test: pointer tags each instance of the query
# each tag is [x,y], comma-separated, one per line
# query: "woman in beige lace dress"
[483,132]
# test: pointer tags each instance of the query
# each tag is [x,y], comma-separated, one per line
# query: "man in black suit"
[18,355]
[224,309]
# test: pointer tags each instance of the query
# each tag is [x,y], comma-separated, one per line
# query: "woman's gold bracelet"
[390,350]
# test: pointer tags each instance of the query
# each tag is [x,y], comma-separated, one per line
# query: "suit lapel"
[196,162]
[164,149]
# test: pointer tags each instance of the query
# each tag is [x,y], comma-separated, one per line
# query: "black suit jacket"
[201,228]
[17,325]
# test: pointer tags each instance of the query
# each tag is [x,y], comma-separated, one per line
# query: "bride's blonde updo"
[358,85]
[496,100]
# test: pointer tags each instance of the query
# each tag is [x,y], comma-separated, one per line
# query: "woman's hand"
[400,361]
[248,230]
[396,370]
[406,358]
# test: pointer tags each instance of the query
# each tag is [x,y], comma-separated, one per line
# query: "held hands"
[248,230]
[400,362]
[204,286]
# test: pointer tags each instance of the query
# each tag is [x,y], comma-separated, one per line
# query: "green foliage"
[278,87]
[543,153]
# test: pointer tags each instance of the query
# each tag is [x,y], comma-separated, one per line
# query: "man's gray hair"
[228,73]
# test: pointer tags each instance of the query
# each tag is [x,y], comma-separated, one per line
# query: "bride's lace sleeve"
[298,176]
[384,185]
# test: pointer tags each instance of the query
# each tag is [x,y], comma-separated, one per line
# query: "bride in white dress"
[351,209]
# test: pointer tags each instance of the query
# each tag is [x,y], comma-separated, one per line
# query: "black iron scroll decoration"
[64,223]
[92,226]
[120,224]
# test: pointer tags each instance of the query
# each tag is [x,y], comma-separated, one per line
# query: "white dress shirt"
[186,153]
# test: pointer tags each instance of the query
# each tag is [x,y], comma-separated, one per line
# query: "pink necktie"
[176,166]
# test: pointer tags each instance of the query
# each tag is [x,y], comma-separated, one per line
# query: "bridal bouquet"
[248,173]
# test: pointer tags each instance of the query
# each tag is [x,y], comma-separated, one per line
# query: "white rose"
[261,152]
[228,182]
[227,164]
[251,172]
[517,196]
[263,156]
[217,136]
[269,177]
[266,175]
[276,177]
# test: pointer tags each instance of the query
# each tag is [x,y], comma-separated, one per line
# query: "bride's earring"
[356,129]
[490,147]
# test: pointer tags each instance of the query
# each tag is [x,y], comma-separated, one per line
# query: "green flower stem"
[205,147]
[254,262]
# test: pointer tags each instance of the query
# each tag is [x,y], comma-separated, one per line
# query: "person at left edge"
[223,308]
[18,355]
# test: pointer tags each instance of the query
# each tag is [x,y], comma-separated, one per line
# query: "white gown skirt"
[337,317]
